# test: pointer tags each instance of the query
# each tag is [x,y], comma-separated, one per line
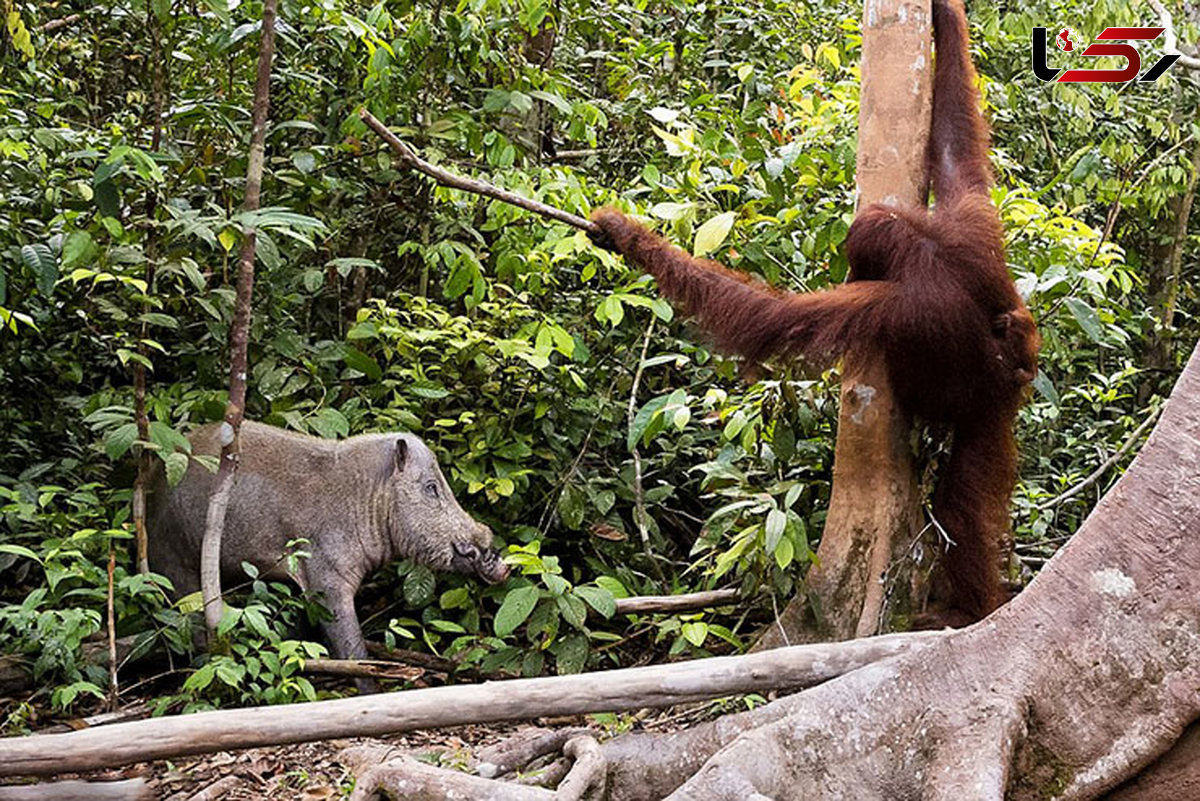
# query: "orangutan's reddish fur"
[929,293]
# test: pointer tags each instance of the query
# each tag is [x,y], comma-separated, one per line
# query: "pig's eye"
[431,489]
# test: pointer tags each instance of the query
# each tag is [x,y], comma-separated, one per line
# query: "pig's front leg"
[344,633]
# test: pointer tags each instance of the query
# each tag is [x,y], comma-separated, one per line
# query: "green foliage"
[258,662]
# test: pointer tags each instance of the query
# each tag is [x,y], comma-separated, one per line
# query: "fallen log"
[127,790]
[363,669]
[390,713]
[686,602]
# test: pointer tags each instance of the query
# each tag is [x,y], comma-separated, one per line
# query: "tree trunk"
[875,509]
[1162,279]
[239,336]
[158,90]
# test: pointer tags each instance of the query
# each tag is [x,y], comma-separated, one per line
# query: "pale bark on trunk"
[864,573]
[239,337]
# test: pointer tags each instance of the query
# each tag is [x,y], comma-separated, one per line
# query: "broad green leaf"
[562,105]
[713,233]
[515,608]
[613,585]
[40,260]
[18,34]
[168,439]
[573,610]
[1087,318]
[190,603]
[330,423]
[219,9]
[305,161]
[313,280]
[571,506]
[570,653]
[643,418]
[363,363]
[108,168]
[695,632]
[106,198]
[455,598]
[176,465]
[159,319]
[419,586]
[672,211]
[599,599]
[120,440]
[784,553]
[773,529]
[19,550]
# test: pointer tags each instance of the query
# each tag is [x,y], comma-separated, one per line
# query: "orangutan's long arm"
[747,317]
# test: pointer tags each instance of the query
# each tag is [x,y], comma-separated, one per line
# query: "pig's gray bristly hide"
[360,503]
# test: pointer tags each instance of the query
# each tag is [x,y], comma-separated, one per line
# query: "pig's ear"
[401,454]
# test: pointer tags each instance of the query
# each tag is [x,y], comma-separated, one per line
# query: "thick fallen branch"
[399,776]
[411,161]
[676,603]
[363,669]
[519,699]
[128,790]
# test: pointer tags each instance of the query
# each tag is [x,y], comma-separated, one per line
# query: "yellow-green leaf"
[713,233]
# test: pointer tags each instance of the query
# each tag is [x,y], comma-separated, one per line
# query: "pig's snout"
[499,571]
[482,562]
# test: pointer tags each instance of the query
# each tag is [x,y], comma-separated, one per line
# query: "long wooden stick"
[374,715]
[412,161]
[677,603]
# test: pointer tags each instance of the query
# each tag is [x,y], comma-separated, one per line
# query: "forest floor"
[306,771]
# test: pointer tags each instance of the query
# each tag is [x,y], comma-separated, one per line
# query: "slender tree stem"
[239,337]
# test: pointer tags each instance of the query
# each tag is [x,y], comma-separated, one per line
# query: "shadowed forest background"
[607,447]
